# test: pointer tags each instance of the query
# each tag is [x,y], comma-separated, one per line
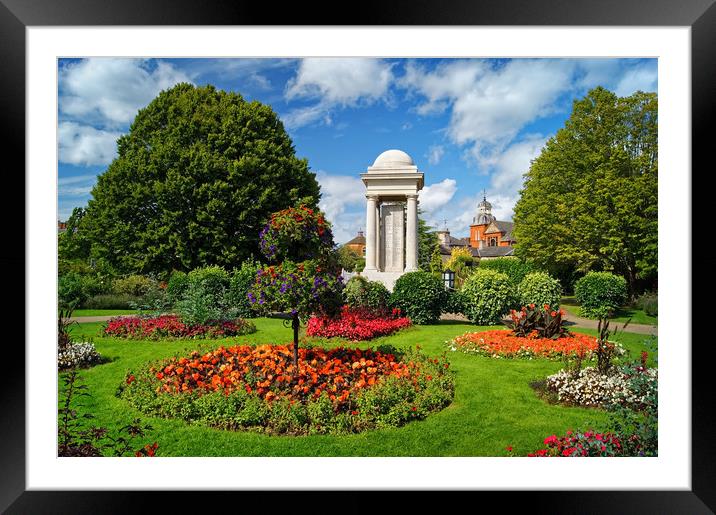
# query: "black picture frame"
[16,15]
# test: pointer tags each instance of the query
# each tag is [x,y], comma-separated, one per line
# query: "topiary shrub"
[600,293]
[366,295]
[454,302]
[540,289]
[487,296]
[420,296]
[514,268]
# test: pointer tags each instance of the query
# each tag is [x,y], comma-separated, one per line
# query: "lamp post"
[449,279]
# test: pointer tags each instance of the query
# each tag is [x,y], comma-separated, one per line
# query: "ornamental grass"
[340,390]
[500,343]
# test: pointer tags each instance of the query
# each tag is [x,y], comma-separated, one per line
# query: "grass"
[638,316]
[494,405]
[103,312]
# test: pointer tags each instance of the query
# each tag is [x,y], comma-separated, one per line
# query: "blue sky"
[469,124]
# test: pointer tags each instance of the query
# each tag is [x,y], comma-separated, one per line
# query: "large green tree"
[427,239]
[589,200]
[195,178]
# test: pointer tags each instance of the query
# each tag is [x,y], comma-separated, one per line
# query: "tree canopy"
[589,200]
[195,179]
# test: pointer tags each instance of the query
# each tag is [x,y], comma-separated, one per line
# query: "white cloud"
[84,145]
[489,106]
[643,78]
[336,82]
[435,196]
[341,193]
[110,91]
[76,186]
[511,164]
[435,154]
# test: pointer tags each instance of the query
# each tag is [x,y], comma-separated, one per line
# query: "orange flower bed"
[503,343]
[267,371]
[257,387]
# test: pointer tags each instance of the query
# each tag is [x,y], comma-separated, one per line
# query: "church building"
[489,237]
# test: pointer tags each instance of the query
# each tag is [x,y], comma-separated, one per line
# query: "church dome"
[393,159]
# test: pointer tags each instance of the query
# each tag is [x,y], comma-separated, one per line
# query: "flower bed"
[254,387]
[501,343]
[171,326]
[619,386]
[356,325]
[77,355]
[578,444]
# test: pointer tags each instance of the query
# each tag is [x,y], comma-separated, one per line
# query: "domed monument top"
[393,159]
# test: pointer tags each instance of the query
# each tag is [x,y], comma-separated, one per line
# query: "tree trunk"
[295,325]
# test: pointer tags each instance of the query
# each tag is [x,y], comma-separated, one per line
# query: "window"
[493,242]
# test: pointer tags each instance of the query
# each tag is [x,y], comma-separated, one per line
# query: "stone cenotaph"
[391,235]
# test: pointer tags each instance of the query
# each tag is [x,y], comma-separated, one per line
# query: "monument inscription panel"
[393,238]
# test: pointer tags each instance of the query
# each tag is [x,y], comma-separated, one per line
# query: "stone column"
[370,234]
[378,243]
[411,235]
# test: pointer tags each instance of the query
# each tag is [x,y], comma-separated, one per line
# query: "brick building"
[489,237]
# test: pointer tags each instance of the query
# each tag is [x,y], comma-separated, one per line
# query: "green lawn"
[494,405]
[638,316]
[102,312]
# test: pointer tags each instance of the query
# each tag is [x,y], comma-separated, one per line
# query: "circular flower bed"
[256,387]
[171,326]
[589,443]
[357,324]
[504,344]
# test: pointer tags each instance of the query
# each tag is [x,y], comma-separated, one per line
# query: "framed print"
[416,148]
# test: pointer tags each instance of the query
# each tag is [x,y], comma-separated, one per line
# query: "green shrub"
[177,286]
[600,293]
[362,294]
[454,302]
[205,298]
[649,303]
[514,268]
[419,295]
[110,301]
[488,296]
[239,285]
[76,288]
[135,285]
[539,288]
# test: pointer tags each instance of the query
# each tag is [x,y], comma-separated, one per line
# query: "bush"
[176,287]
[420,296]
[649,303]
[539,288]
[487,296]
[74,288]
[514,268]
[600,294]
[454,302]
[204,299]
[135,285]
[239,285]
[360,293]
[538,321]
[110,301]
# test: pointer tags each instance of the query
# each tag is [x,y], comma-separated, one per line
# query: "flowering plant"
[543,322]
[77,354]
[334,390]
[500,343]
[589,443]
[297,234]
[171,326]
[357,324]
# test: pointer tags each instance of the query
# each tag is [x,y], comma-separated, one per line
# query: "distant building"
[357,244]
[61,226]
[489,237]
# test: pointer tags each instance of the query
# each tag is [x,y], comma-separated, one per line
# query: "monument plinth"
[392,186]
